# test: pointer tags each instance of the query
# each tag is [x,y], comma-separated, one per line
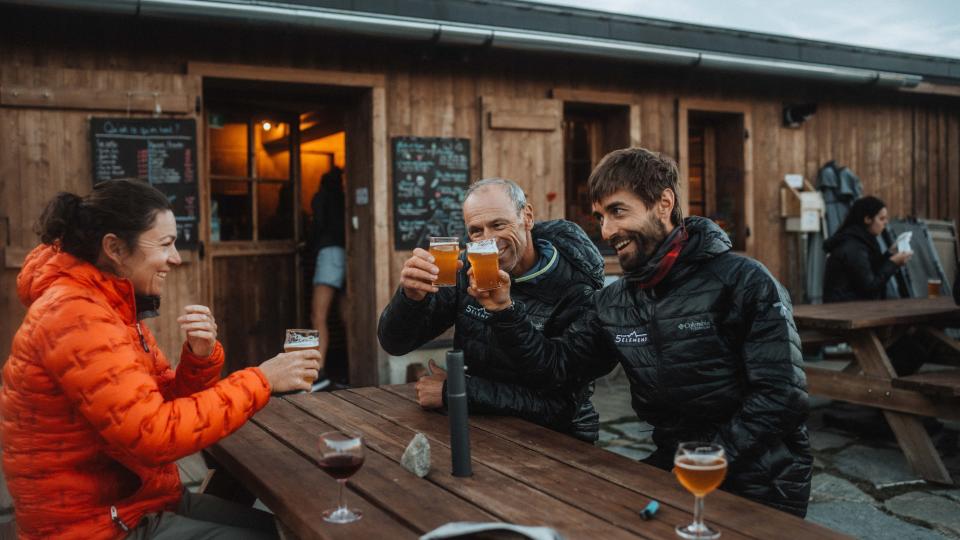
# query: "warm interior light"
[266,125]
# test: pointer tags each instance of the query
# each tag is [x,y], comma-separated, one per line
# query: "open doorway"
[716,182]
[268,147]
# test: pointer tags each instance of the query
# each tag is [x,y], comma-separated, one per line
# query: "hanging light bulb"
[266,125]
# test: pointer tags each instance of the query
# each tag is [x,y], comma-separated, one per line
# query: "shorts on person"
[331,267]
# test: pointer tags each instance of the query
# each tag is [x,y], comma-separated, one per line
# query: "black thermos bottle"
[457,409]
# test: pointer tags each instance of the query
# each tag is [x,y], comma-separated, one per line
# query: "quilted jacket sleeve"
[582,352]
[98,365]
[407,324]
[776,395]
[193,374]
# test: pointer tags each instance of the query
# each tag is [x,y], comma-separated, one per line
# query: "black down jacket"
[856,268]
[712,354]
[553,302]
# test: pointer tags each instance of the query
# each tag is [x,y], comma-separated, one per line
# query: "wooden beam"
[877,392]
[525,122]
[100,100]
[910,433]
[933,88]
[593,96]
[283,74]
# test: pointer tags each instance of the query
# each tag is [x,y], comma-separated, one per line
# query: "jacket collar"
[47,266]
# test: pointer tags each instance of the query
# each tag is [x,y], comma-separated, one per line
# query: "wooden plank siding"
[904,146]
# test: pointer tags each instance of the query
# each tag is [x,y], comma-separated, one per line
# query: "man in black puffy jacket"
[547,263]
[706,336]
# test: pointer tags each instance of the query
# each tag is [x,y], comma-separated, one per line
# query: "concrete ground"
[862,485]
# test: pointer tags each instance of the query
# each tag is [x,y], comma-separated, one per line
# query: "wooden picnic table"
[522,473]
[869,327]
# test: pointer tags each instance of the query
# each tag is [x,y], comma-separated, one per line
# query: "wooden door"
[522,140]
[253,229]
[45,148]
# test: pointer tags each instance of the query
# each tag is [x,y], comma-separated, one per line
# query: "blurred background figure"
[328,237]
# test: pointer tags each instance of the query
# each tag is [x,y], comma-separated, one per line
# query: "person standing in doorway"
[329,239]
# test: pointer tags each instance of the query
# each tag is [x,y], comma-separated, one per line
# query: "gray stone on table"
[825,440]
[863,520]
[416,457]
[939,511]
[826,488]
[883,467]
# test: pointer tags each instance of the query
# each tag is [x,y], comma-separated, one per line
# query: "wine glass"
[700,467]
[341,455]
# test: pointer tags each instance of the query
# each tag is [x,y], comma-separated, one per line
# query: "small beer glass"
[484,258]
[700,467]
[933,288]
[445,251]
[299,339]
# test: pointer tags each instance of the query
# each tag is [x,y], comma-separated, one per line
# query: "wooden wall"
[903,146]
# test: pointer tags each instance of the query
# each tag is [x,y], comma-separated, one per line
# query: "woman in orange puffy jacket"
[93,417]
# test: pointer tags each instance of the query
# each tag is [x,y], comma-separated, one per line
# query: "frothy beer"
[445,253]
[483,256]
[302,340]
[700,474]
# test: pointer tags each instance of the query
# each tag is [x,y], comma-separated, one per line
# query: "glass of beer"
[933,288]
[700,467]
[299,339]
[483,256]
[445,251]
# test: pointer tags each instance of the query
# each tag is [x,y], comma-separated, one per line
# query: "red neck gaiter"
[666,263]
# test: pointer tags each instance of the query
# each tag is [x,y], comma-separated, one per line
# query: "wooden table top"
[876,313]
[523,474]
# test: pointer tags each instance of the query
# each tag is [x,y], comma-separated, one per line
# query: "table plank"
[296,489]
[500,494]
[878,392]
[875,313]
[945,383]
[732,513]
[415,501]
[609,500]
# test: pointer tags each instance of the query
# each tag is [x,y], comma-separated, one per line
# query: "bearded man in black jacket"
[705,336]
[547,265]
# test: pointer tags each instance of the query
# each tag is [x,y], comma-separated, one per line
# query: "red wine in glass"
[341,456]
[341,467]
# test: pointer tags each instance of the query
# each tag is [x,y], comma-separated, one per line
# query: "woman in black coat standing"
[856,267]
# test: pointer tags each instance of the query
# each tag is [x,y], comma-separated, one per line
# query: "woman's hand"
[901,259]
[201,329]
[292,371]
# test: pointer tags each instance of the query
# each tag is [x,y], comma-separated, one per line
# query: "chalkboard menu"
[430,178]
[158,150]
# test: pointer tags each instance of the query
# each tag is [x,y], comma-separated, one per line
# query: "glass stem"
[340,505]
[698,513]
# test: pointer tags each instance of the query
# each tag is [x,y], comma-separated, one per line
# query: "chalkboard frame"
[128,133]
[447,183]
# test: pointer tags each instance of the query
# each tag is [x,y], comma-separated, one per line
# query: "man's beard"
[646,240]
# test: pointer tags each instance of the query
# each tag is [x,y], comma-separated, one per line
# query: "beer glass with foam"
[445,251]
[700,467]
[299,339]
[483,256]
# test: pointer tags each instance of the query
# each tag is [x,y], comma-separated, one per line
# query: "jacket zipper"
[115,518]
[143,342]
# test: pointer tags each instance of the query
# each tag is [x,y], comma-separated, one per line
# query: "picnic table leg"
[911,436]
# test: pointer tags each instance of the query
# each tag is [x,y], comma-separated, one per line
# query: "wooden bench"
[945,383]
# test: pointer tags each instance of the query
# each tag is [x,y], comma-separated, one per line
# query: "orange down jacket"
[92,414]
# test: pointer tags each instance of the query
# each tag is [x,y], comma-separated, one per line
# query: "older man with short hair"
[549,264]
